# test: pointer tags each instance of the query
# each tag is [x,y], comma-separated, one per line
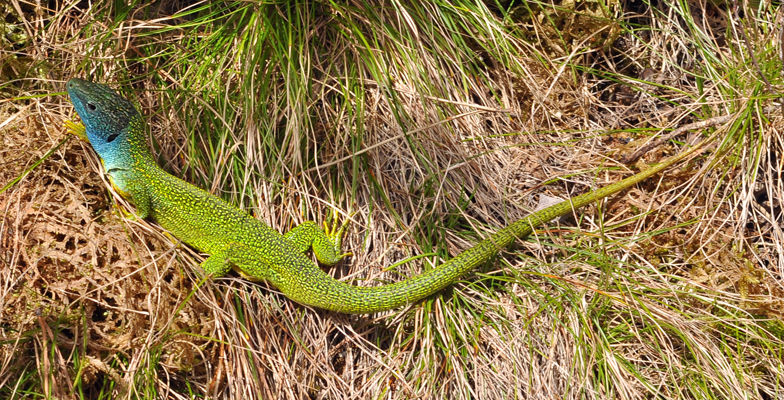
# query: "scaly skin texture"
[234,239]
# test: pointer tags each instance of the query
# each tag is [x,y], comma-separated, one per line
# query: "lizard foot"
[77,129]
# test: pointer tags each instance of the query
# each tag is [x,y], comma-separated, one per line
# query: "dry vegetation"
[672,289]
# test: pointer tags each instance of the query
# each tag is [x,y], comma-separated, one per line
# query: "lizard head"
[107,117]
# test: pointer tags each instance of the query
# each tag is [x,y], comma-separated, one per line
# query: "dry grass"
[670,290]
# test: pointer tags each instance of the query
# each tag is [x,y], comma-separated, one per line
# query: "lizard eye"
[111,137]
[91,107]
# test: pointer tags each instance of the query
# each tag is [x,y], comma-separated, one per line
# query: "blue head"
[113,125]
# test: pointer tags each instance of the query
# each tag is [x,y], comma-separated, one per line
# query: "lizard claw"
[77,129]
[335,233]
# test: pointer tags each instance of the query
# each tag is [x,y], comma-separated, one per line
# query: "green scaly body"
[234,239]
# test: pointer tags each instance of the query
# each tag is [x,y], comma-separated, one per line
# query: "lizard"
[233,239]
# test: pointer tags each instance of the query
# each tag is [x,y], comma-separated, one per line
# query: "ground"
[672,288]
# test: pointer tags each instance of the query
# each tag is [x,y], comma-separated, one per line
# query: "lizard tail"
[328,293]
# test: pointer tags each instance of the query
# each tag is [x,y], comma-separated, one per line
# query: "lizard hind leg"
[326,243]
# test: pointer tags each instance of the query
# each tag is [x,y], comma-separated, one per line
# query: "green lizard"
[234,239]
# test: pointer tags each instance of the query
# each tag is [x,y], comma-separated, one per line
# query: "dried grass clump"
[72,267]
